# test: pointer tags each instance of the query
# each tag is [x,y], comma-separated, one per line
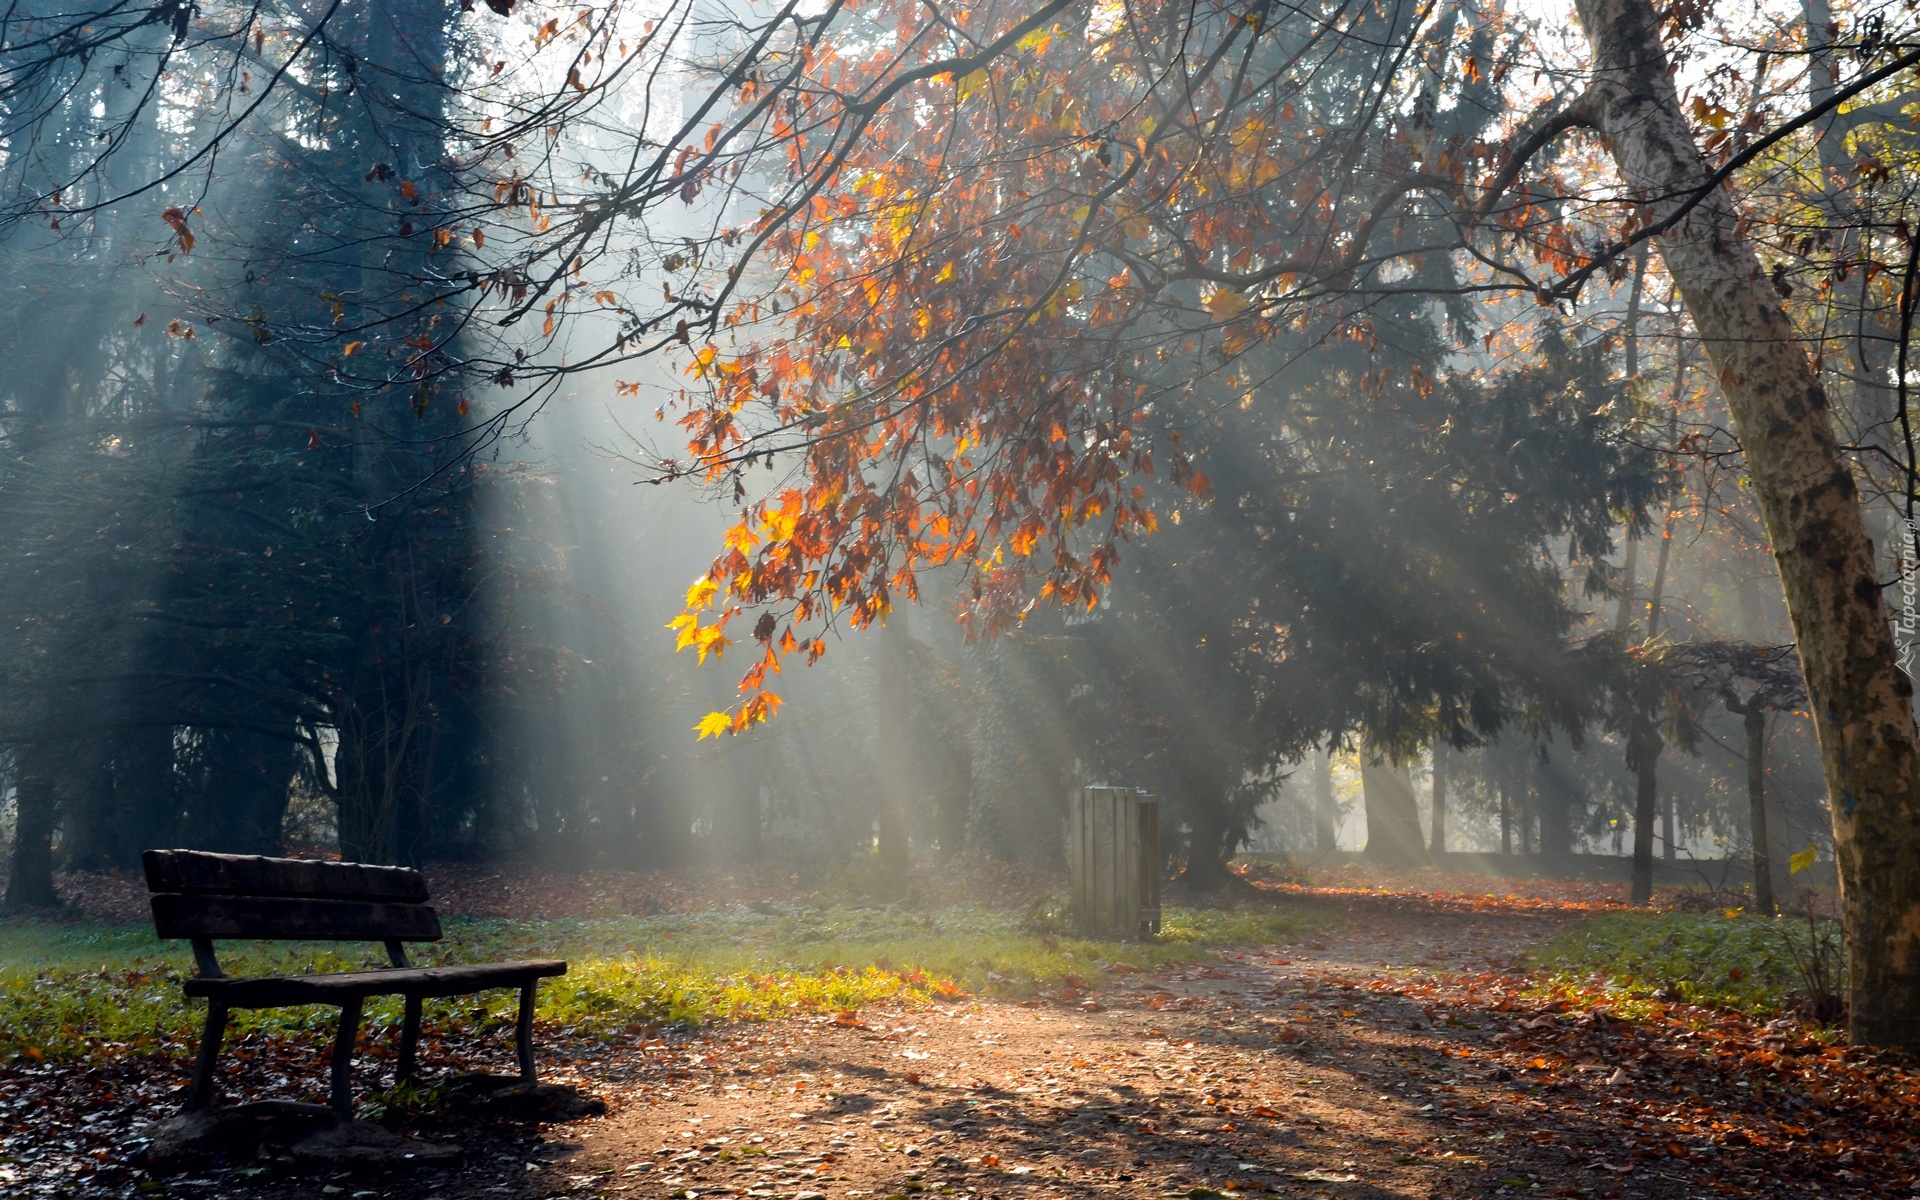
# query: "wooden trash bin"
[1113,862]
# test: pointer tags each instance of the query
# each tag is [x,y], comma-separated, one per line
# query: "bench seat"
[200,896]
[273,991]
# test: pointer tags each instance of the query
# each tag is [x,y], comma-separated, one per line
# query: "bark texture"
[1806,491]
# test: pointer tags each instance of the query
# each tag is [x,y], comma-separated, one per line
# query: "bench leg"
[523,1031]
[342,1093]
[200,1094]
[409,1040]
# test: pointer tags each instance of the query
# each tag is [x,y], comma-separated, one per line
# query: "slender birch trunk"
[1806,491]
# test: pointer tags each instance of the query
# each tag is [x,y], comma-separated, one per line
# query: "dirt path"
[1289,1071]
[1398,1057]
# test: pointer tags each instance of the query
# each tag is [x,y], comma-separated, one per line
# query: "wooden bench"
[202,897]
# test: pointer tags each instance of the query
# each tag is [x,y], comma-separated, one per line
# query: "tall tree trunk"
[36,811]
[1437,819]
[1393,816]
[1556,799]
[1872,347]
[1629,568]
[895,733]
[1207,849]
[1643,756]
[1506,818]
[1326,816]
[1862,704]
[1753,714]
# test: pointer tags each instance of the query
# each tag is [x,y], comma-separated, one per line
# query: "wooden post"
[523,1031]
[1113,862]
[200,1094]
[409,1040]
[342,1093]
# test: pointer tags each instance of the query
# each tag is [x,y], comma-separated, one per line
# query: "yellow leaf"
[702,593]
[1037,41]
[351,349]
[1710,114]
[1226,304]
[708,639]
[1802,860]
[713,725]
[970,83]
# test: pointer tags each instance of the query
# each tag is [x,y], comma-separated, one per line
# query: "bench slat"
[273,991]
[292,919]
[203,873]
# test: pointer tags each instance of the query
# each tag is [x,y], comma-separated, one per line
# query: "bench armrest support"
[204,959]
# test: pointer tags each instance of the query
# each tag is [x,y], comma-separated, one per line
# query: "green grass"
[71,992]
[1740,962]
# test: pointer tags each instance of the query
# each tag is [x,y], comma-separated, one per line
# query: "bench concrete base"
[306,1133]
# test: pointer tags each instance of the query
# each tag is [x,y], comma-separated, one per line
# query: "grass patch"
[73,992]
[1751,964]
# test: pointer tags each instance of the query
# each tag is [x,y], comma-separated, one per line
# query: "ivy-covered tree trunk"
[1862,704]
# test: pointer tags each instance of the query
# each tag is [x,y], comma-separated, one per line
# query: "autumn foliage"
[1013,256]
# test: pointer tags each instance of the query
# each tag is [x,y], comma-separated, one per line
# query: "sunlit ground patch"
[76,992]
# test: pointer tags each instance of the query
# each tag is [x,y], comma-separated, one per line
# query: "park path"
[1385,1058]
[1398,1051]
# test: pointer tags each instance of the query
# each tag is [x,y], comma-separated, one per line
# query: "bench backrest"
[204,896]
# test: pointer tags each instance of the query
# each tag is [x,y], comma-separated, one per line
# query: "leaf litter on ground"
[1412,1049]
